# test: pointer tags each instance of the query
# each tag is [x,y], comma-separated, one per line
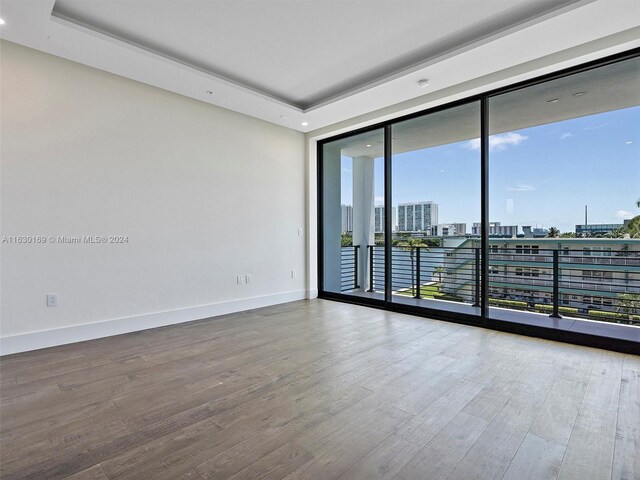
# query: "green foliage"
[629,303]
[633,227]
[553,232]
[568,235]
[346,240]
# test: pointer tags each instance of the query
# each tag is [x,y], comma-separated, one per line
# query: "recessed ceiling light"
[368,145]
[2,22]
[304,124]
[423,83]
[579,94]
[629,142]
[553,100]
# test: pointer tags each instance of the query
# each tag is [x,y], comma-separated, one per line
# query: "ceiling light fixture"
[553,100]
[304,124]
[2,22]
[579,94]
[629,142]
[368,145]
[423,83]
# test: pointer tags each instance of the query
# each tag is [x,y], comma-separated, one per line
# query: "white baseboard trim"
[117,326]
[312,293]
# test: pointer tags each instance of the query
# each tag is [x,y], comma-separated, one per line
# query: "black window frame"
[484,318]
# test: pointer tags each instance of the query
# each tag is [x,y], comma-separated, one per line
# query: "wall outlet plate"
[52,299]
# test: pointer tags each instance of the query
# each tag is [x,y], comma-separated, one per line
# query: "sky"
[541,176]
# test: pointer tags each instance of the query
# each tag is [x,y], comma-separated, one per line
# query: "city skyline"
[533,172]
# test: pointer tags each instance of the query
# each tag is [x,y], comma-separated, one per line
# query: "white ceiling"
[602,89]
[315,61]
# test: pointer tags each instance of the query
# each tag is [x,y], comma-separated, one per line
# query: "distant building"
[417,216]
[379,219]
[347,218]
[521,269]
[534,232]
[449,230]
[597,229]
[496,230]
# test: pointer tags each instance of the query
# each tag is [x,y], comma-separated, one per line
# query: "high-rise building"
[449,230]
[417,216]
[496,230]
[347,218]
[379,219]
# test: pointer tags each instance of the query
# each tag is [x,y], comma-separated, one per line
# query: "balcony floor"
[608,330]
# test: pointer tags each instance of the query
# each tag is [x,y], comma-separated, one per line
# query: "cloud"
[624,215]
[497,142]
[566,135]
[521,187]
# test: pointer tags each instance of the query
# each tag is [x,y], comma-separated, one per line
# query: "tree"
[410,244]
[633,227]
[568,235]
[553,232]
[629,304]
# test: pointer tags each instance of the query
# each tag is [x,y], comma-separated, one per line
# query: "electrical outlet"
[299,232]
[52,299]
[240,279]
[293,274]
[247,278]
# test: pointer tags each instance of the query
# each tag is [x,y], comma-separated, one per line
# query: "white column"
[363,213]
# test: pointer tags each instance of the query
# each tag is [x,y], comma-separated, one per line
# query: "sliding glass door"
[541,179]
[353,211]
[436,189]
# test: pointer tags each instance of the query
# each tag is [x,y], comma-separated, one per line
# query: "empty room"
[320,239]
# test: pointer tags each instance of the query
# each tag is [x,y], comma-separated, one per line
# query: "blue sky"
[540,176]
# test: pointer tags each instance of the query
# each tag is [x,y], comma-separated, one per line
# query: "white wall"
[202,193]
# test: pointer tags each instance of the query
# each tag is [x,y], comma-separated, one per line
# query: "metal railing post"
[370,248]
[556,285]
[476,302]
[417,295]
[356,254]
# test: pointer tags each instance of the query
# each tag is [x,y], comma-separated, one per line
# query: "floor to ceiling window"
[435,190]
[542,179]
[564,167]
[353,213]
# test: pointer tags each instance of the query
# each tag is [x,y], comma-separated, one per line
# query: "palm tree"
[553,232]
[410,244]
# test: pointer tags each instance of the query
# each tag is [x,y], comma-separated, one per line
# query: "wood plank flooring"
[319,390]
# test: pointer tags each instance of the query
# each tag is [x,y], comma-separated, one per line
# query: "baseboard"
[312,293]
[107,328]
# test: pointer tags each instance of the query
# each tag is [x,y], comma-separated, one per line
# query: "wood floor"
[318,390]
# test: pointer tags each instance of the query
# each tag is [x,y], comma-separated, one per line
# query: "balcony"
[596,285]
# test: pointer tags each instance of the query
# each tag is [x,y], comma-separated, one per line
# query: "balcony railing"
[596,285]
[349,270]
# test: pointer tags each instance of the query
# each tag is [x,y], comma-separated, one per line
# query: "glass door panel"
[353,213]
[436,204]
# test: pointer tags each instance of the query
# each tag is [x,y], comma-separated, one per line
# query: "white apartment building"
[379,219]
[347,218]
[496,230]
[417,216]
